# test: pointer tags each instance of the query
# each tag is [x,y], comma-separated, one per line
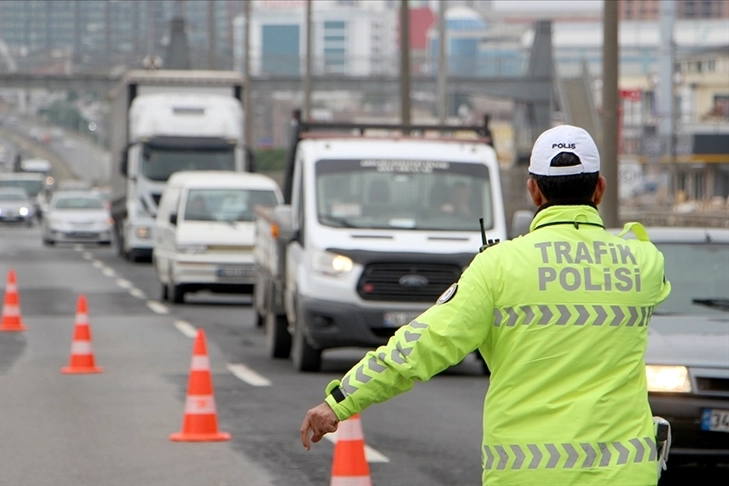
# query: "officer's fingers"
[304,431]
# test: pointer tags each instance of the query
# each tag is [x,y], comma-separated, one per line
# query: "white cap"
[564,138]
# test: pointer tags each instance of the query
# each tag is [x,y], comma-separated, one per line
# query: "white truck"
[377,222]
[162,122]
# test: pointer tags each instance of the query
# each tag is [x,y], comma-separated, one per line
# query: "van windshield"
[226,204]
[403,194]
[159,163]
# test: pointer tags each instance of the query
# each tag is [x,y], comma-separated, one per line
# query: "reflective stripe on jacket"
[561,317]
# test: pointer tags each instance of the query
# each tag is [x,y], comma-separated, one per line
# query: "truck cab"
[377,226]
[170,133]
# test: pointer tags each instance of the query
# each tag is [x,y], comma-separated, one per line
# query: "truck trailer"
[162,122]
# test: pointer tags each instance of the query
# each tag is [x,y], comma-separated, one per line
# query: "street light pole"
[404,62]
[247,115]
[442,63]
[610,108]
[306,115]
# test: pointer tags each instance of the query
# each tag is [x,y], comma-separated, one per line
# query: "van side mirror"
[520,222]
[123,163]
[173,218]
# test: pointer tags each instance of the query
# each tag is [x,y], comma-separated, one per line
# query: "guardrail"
[671,218]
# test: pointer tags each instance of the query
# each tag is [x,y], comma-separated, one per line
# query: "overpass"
[533,88]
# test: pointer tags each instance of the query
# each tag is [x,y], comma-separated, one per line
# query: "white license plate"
[235,272]
[398,319]
[715,420]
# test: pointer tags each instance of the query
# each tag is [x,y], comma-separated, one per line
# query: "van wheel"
[278,338]
[304,356]
[49,242]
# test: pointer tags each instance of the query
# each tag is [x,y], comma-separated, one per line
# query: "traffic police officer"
[561,317]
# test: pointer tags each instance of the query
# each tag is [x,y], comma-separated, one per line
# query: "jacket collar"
[566,214]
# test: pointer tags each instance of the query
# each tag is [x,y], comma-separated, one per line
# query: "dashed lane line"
[371,454]
[157,307]
[109,272]
[135,292]
[87,256]
[124,283]
[78,247]
[248,375]
[186,328]
[97,264]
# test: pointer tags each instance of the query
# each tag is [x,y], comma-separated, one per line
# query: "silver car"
[687,360]
[77,217]
[16,205]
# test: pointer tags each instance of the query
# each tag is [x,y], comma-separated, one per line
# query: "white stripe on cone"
[82,320]
[199,405]
[11,311]
[351,481]
[350,430]
[200,363]
[11,288]
[81,347]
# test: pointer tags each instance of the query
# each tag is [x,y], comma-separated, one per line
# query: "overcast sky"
[542,5]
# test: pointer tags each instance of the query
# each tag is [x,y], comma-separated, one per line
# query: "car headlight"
[192,249]
[331,264]
[23,211]
[668,379]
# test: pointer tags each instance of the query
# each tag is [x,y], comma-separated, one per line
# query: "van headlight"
[192,249]
[23,211]
[331,264]
[673,379]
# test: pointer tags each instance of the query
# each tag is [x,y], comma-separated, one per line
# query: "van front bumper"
[334,324]
[215,274]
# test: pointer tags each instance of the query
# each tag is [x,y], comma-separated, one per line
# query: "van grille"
[384,281]
[713,386]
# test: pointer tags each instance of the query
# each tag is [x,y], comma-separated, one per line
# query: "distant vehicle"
[163,122]
[34,184]
[204,232]
[379,221]
[77,217]
[16,205]
[687,359]
[36,165]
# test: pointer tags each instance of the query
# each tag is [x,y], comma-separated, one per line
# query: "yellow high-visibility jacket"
[561,317]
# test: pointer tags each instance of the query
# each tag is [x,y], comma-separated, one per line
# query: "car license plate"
[715,420]
[398,319]
[235,272]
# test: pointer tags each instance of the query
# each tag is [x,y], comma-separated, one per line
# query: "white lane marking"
[124,283]
[186,328]
[78,247]
[87,256]
[109,272]
[134,292]
[371,454]
[248,375]
[157,307]
[97,264]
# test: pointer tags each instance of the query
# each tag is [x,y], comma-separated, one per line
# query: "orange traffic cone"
[82,354]
[349,467]
[11,321]
[200,423]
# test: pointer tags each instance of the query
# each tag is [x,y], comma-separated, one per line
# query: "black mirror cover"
[173,218]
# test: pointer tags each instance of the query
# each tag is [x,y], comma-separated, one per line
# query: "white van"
[205,232]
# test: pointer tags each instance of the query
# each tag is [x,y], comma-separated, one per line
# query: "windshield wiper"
[721,304]
[343,222]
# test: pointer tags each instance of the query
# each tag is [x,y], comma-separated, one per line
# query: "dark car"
[687,360]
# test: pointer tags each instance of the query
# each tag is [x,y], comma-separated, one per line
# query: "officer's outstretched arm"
[439,338]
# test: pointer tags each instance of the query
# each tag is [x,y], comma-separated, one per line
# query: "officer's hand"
[319,420]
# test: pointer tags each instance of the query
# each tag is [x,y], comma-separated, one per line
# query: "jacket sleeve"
[440,337]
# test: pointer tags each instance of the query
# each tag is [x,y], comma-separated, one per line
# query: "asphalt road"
[113,428]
